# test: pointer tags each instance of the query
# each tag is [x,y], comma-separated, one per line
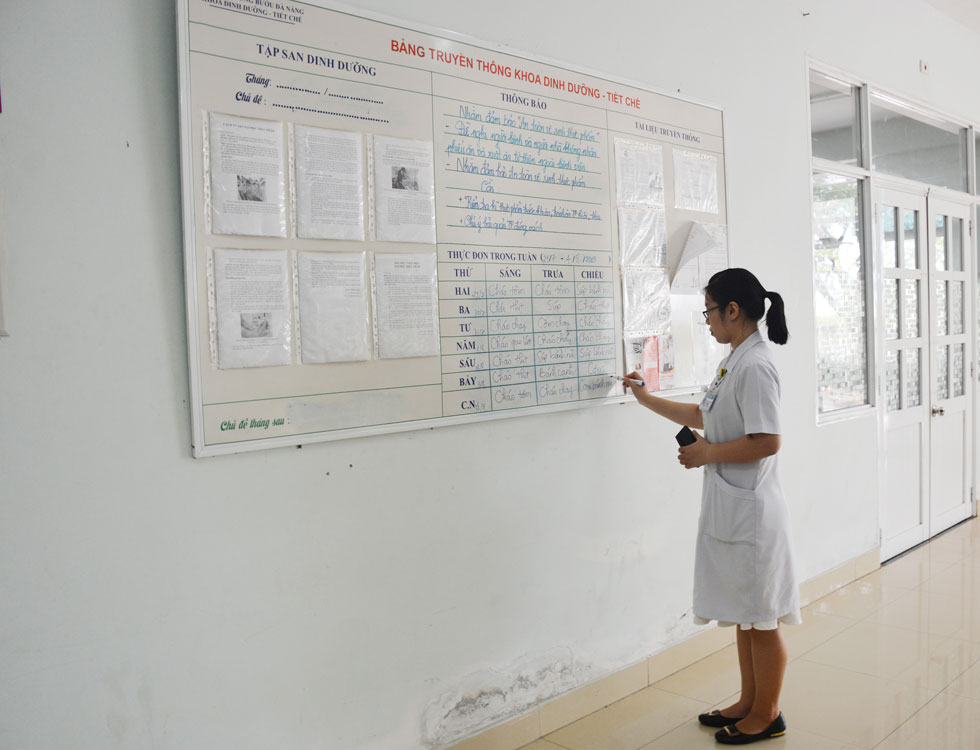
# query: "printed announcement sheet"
[639,173]
[705,253]
[419,230]
[405,208]
[252,304]
[334,307]
[329,184]
[408,312]
[696,181]
[247,183]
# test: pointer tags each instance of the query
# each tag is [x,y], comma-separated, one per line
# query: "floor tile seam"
[798,657]
[891,680]
[902,627]
[684,695]
[909,718]
[903,588]
[673,728]
[552,742]
[967,669]
[907,683]
[821,735]
[888,626]
[853,620]
[951,636]
[947,562]
[877,573]
[960,695]
[704,705]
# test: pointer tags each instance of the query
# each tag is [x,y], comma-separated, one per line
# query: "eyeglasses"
[707,312]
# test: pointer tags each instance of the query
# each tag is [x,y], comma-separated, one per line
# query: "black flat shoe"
[731,736]
[715,719]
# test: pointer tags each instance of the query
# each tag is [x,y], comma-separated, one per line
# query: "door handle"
[938,410]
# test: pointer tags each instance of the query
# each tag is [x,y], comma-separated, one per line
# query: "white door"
[951,409]
[903,329]
[924,334]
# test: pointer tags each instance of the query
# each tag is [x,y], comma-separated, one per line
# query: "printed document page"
[329,184]
[252,307]
[696,181]
[247,176]
[646,301]
[407,305]
[643,237]
[639,173]
[404,190]
[705,253]
[333,307]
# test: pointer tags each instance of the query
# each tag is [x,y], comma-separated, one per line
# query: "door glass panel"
[910,240]
[956,307]
[913,384]
[942,372]
[889,248]
[958,360]
[890,302]
[941,326]
[955,227]
[940,243]
[910,308]
[893,399]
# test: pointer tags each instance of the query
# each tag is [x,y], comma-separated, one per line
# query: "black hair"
[741,286]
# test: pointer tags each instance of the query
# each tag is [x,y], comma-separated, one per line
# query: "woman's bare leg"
[769,666]
[742,707]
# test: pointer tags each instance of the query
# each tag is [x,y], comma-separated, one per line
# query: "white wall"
[383,592]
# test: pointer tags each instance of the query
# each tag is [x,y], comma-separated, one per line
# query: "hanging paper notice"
[643,237]
[404,190]
[653,357]
[252,308]
[333,307]
[407,305]
[695,181]
[705,253]
[646,301]
[639,173]
[329,184]
[247,178]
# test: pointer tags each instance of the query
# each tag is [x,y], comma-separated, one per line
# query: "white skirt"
[793,618]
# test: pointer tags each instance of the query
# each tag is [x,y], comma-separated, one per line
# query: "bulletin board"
[391,228]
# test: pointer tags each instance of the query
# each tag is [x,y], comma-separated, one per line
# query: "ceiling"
[967,12]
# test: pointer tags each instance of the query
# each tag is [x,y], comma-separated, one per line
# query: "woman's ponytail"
[776,319]
[741,286]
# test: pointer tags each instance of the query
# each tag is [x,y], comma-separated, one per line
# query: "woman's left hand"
[694,455]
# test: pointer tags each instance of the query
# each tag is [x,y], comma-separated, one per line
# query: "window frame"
[864,190]
[861,173]
[869,181]
[921,113]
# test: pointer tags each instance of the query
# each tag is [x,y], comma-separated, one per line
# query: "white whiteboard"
[530,314]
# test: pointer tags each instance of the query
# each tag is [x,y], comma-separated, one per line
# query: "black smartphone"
[685,436]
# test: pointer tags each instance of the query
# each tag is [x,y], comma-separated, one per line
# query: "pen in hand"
[627,380]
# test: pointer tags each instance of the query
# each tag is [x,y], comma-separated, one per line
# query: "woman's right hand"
[632,381]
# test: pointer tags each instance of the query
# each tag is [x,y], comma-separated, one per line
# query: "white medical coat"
[743,570]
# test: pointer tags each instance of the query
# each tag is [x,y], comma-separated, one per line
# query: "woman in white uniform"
[743,571]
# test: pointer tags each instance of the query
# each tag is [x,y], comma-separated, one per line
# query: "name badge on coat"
[708,401]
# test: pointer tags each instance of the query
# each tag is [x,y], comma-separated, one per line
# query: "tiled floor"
[891,661]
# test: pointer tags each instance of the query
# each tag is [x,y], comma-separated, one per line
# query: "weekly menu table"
[390,229]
